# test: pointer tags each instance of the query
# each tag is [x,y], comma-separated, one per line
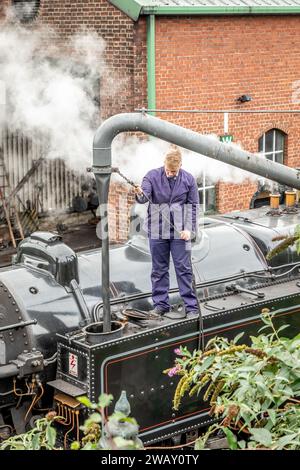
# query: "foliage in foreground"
[44,436]
[285,242]
[252,390]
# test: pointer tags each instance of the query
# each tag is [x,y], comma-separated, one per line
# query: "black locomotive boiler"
[66,330]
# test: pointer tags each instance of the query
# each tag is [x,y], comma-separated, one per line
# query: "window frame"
[274,152]
[26,13]
[203,188]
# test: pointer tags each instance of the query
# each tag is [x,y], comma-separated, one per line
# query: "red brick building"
[117,29]
[206,54]
[201,55]
[123,65]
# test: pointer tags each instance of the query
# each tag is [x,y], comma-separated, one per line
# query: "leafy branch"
[44,434]
[41,437]
[252,390]
[285,242]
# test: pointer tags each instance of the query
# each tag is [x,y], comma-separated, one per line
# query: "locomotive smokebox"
[44,270]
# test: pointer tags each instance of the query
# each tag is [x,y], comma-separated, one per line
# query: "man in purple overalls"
[171,224]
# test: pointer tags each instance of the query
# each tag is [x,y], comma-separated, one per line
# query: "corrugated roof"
[135,8]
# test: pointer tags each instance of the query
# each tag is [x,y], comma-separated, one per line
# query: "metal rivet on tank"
[20,318]
[156,357]
[33,290]
[13,302]
[142,392]
[24,334]
[10,333]
[5,290]
[152,389]
[132,396]
[162,387]
[17,310]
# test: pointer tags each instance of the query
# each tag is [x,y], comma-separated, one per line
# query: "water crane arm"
[191,140]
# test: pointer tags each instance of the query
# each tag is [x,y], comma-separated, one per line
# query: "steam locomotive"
[54,340]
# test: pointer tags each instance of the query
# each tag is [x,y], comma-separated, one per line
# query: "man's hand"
[185,235]
[138,190]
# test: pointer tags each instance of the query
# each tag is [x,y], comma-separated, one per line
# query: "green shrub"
[252,390]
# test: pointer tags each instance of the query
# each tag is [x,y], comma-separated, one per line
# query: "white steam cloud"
[51,89]
[52,94]
[134,158]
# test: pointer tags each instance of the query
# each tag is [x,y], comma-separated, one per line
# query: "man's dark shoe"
[180,314]
[157,313]
[176,315]
[192,313]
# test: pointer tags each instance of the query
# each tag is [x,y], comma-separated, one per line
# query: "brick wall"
[123,39]
[3,5]
[207,62]
[230,197]
[140,64]
[116,29]
[120,202]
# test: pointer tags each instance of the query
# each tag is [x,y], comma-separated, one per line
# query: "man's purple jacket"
[180,206]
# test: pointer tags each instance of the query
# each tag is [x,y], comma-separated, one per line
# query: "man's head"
[173,161]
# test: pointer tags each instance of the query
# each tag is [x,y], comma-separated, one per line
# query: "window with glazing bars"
[207,194]
[271,144]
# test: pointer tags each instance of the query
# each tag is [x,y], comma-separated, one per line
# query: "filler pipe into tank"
[186,138]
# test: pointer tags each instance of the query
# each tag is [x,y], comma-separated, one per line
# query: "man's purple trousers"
[181,254]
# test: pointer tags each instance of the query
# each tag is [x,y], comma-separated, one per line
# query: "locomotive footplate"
[136,361]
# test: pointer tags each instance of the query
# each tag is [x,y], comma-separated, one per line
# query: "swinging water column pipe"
[186,138]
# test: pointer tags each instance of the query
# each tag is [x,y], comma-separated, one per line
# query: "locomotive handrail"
[9,370]
[15,326]
[202,285]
